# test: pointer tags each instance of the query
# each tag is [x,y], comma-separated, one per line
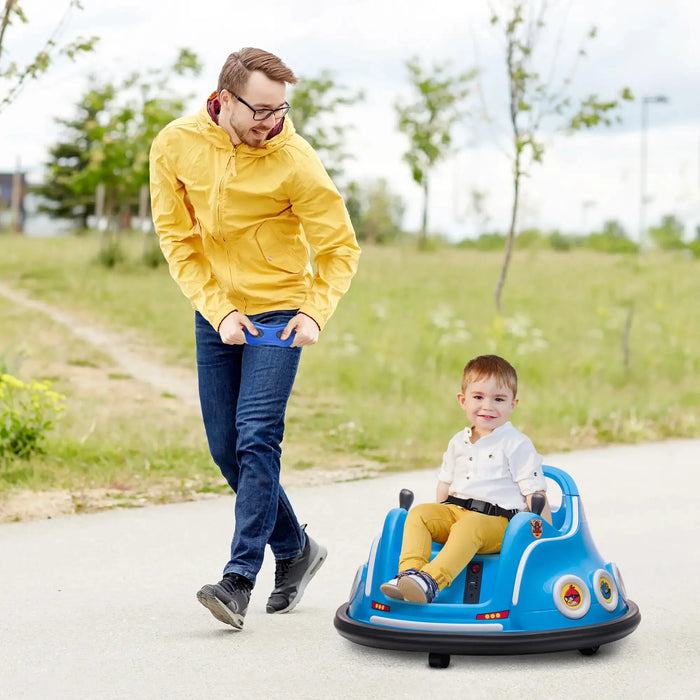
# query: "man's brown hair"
[239,65]
[490,366]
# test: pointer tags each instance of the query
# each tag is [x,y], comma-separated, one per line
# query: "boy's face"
[488,405]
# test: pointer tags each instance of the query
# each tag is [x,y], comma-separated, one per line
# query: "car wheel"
[438,660]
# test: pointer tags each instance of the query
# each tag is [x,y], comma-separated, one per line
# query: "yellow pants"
[463,533]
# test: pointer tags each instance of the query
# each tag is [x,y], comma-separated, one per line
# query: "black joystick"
[537,503]
[405,499]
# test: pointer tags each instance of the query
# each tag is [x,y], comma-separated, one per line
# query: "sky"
[584,180]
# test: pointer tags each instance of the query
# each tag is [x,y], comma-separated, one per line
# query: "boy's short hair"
[490,366]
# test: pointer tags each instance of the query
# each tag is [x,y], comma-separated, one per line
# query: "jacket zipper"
[231,163]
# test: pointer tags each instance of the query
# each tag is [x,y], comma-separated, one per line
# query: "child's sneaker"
[391,588]
[418,588]
[227,600]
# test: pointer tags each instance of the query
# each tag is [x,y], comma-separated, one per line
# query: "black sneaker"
[227,600]
[292,576]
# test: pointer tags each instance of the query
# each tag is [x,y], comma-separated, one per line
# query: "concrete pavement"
[104,605]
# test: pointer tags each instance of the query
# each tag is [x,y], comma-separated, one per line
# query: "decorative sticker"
[571,596]
[536,528]
[606,591]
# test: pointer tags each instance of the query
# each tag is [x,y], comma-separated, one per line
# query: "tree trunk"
[515,96]
[509,240]
[9,5]
[424,224]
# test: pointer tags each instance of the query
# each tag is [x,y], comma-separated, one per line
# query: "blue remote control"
[268,335]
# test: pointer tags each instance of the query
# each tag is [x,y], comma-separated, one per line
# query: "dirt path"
[177,382]
[134,357]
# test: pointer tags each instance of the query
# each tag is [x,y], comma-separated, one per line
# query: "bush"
[152,255]
[111,252]
[27,412]
[612,239]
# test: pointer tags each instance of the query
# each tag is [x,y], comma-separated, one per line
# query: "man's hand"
[231,328]
[306,330]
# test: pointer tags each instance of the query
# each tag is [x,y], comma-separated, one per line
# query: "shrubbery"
[27,413]
[613,238]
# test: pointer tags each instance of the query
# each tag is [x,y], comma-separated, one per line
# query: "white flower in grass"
[457,336]
[350,427]
[347,345]
[380,311]
[442,317]
[518,326]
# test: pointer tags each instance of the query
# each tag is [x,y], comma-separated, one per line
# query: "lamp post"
[646,101]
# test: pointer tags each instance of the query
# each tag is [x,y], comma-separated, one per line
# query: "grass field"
[380,386]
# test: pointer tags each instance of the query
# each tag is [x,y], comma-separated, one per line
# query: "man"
[237,198]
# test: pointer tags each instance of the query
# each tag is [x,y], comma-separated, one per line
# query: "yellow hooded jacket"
[235,223]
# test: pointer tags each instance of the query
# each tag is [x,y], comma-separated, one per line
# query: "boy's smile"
[488,405]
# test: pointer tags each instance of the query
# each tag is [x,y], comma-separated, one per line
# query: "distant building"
[27,219]
[12,190]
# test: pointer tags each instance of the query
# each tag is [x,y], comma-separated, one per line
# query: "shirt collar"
[496,433]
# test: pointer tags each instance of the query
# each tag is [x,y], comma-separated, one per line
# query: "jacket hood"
[208,118]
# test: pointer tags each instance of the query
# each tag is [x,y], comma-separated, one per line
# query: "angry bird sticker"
[571,596]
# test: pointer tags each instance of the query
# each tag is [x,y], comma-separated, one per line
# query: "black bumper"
[585,637]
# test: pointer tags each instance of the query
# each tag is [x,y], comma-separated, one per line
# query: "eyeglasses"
[260,115]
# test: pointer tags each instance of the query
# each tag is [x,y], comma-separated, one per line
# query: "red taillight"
[493,616]
[380,606]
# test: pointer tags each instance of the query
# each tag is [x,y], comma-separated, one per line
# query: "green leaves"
[109,139]
[16,75]
[27,412]
[594,111]
[534,100]
[315,103]
[428,120]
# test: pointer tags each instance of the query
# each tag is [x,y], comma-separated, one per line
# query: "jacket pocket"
[283,246]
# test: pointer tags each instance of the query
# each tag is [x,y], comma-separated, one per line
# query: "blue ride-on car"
[547,590]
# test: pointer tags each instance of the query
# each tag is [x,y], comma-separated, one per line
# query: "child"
[488,474]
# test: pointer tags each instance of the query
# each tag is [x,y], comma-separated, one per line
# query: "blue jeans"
[243,392]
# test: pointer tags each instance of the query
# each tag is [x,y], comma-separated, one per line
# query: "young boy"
[488,474]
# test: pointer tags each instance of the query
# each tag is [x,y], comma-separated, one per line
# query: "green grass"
[381,384]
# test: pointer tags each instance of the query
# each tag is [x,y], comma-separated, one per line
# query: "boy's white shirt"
[502,467]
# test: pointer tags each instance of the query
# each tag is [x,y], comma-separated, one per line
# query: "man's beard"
[245,138]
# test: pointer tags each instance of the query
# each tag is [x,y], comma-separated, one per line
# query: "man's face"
[236,118]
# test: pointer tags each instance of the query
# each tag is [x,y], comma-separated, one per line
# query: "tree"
[69,158]
[533,99]
[376,212]
[15,76]
[428,122]
[669,234]
[612,239]
[315,102]
[109,140]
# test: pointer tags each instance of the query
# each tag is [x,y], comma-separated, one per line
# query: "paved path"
[103,605]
